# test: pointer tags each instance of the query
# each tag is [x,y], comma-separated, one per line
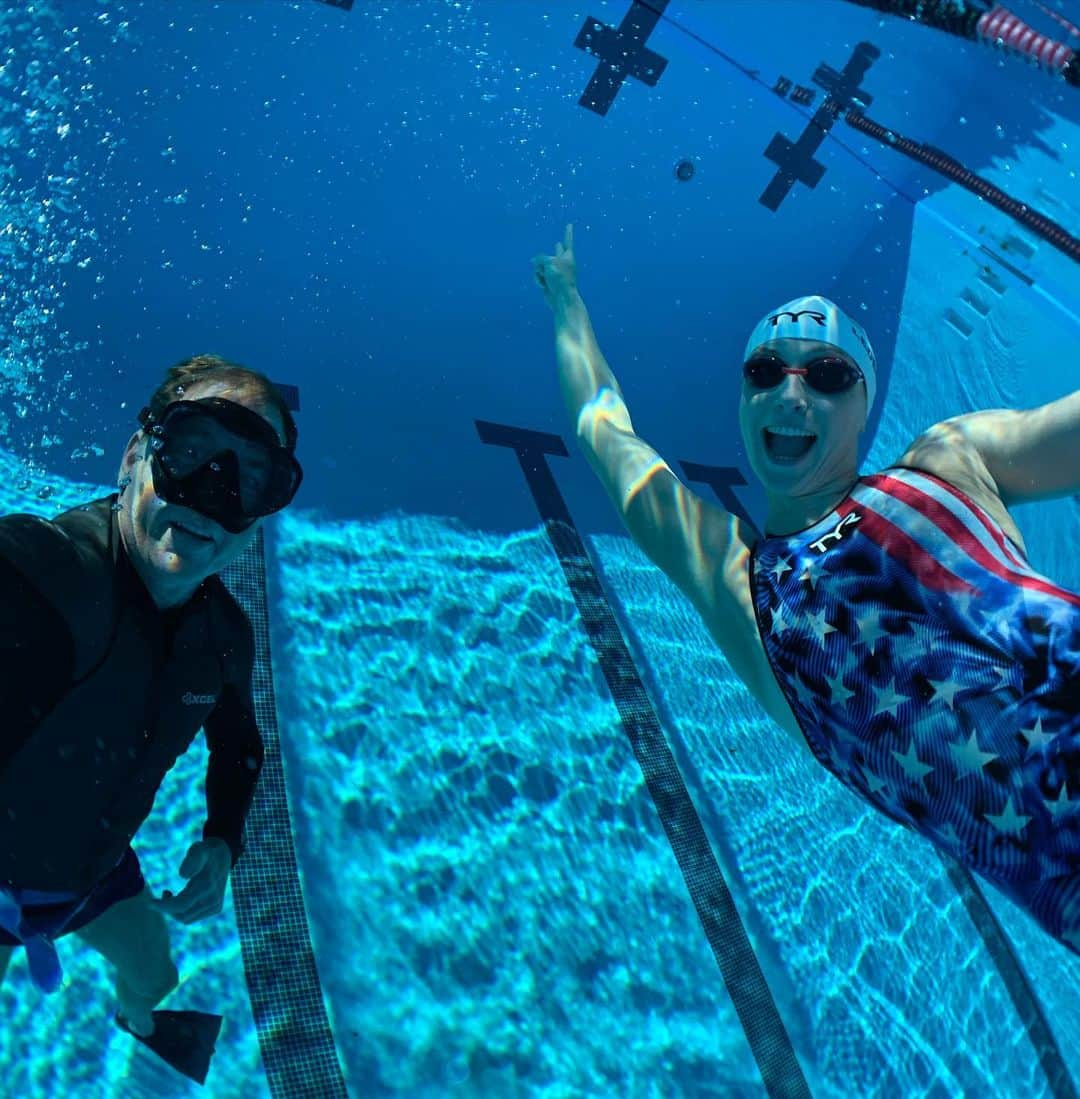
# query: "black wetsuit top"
[102,692]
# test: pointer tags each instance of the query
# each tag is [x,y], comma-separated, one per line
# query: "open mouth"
[174,526]
[782,447]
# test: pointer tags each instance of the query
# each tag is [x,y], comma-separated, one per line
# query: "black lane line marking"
[769,1041]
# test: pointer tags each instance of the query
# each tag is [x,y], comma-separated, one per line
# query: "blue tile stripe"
[297,1044]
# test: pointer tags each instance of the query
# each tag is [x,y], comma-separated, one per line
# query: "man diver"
[120,642]
[890,623]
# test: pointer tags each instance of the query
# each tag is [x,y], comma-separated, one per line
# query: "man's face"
[175,548]
[834,419]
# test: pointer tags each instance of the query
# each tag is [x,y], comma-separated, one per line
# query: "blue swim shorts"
[57,919]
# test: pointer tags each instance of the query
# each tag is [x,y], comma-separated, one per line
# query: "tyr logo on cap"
[865,343]
[819,317]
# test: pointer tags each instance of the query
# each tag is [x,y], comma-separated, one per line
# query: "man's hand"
[207,864]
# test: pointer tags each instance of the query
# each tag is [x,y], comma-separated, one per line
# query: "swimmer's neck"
[789,515]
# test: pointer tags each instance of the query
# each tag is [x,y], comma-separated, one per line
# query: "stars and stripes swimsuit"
[936,674]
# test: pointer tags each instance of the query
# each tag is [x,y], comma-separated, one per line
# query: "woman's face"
[833,420]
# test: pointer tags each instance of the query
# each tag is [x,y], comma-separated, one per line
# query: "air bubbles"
[43,228]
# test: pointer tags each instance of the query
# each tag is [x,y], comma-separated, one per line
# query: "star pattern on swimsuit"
[934,673]
[838,693]
[969,758]
[819,627]
[874,783]
[1008,820]
[1036,738]
[911,763]
[813,568]
[1062,805]
[888,701]
[945,690]
[781,568]
[870,629]
[779,622]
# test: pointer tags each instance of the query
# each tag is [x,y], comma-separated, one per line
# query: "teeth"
[789,431]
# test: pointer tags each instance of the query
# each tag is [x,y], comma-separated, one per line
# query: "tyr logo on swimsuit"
[837,535]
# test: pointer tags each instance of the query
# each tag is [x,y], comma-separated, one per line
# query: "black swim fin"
[183,1039]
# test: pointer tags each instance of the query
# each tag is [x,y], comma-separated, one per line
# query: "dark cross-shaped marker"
[622,53]
[796,160]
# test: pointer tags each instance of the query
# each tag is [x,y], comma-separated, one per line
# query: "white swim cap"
[817,318]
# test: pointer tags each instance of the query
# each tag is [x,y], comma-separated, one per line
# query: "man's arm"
[37,650]
[1031,454]
[236,754]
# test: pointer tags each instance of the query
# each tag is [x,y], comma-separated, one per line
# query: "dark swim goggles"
[233,484]
[829,374]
